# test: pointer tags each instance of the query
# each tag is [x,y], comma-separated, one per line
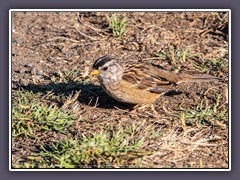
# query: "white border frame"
[116,10]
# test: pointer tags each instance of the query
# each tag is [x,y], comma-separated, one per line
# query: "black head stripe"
[101,61]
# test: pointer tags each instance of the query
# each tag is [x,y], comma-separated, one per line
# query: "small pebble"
[201,92]
[22,71]
[39,72]
[29,65]
[23,82]
[39,76]
[33,71]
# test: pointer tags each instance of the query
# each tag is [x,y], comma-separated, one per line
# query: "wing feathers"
[157,80]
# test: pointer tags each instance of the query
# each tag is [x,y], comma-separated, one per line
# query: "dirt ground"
[49,47]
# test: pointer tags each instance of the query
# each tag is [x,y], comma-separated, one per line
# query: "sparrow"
[138,83]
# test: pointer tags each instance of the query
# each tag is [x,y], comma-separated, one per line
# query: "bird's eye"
[105,68]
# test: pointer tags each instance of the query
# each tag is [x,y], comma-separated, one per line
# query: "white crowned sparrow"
[138,83]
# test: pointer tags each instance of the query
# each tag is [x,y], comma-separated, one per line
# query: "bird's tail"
[197,78]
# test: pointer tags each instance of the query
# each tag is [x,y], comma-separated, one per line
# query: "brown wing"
[149,78]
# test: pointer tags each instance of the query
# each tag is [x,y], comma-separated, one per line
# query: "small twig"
[205,31]
[199,143]
[150,27]
[152,58]
[57,38]
[86,24]
[209,90]
[165,109]
[120,109]
[83,34]
[97,30]
[64,38]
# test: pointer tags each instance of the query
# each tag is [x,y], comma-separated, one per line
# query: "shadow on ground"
[90,94]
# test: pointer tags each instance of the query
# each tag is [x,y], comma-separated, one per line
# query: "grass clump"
[30,116]
[203,115]
[175,55]
[208,65]
[106,149]
[117,26]
[45,131]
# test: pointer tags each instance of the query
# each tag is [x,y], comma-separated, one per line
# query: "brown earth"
[46,44]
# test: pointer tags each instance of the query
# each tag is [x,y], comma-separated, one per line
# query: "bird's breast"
[128,93]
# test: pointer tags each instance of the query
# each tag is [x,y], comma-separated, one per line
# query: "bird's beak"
[95,72]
